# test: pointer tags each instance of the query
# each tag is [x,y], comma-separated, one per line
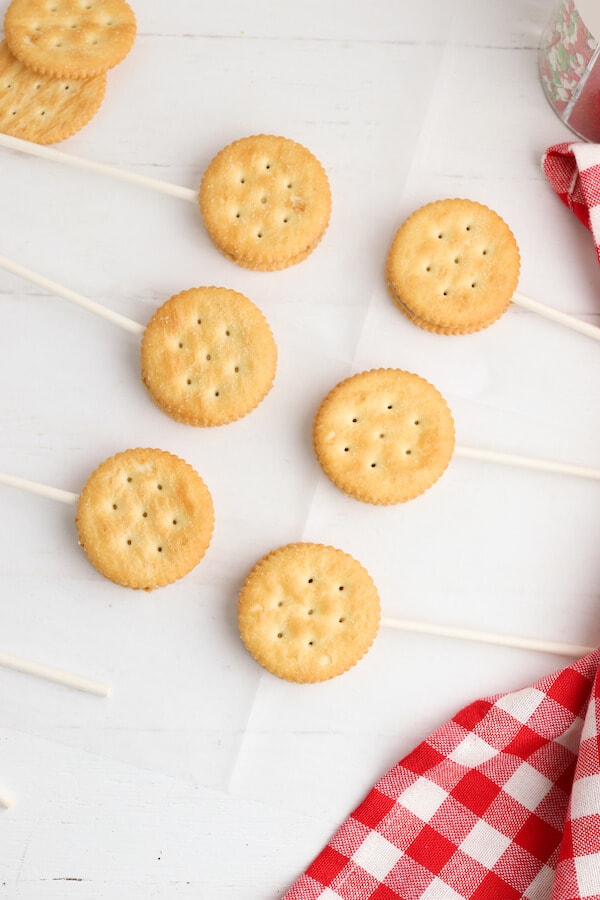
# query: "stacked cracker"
[453,267]
[265,201]
[308,612]
[384,436]
[208,356]
[53,64]
[145,518]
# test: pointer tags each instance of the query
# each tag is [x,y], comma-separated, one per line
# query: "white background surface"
[202,775]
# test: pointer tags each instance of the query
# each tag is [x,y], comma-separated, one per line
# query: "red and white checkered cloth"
[573,170]
[501,803]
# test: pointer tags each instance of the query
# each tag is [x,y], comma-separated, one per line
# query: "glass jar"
[569,61]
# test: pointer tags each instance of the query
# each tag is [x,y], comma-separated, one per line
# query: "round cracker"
[43,109]
[208,356]
[70,38]
[265,201]
[145,518]
[454,264]
[308,612]
[384,436]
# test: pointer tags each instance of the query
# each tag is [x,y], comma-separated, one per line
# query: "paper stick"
[527,462]
[48,673]
[72,296]
[556,316]
[46,152]
[487,637]
[35,487]
[5,801]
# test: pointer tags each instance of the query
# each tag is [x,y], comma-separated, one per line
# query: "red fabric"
[500,803]
[573,170]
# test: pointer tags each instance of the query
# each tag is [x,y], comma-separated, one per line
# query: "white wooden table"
[202,775]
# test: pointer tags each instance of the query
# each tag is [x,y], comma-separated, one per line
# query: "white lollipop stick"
[488,637]
[35,487]
[557,316]
[527,462]
[5,801]
[45,152]
[58,676]
[72,296]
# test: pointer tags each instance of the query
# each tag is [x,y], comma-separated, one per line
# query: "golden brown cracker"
[453,266]
[70,38]
[208,356]
[265,201]
[384,436]
[308,612]
[145,518]
[43,109]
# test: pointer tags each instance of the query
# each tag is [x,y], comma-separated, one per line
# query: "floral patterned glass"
[570,71]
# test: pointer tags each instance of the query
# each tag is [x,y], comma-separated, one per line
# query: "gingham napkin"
[501,803]
[573,170]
